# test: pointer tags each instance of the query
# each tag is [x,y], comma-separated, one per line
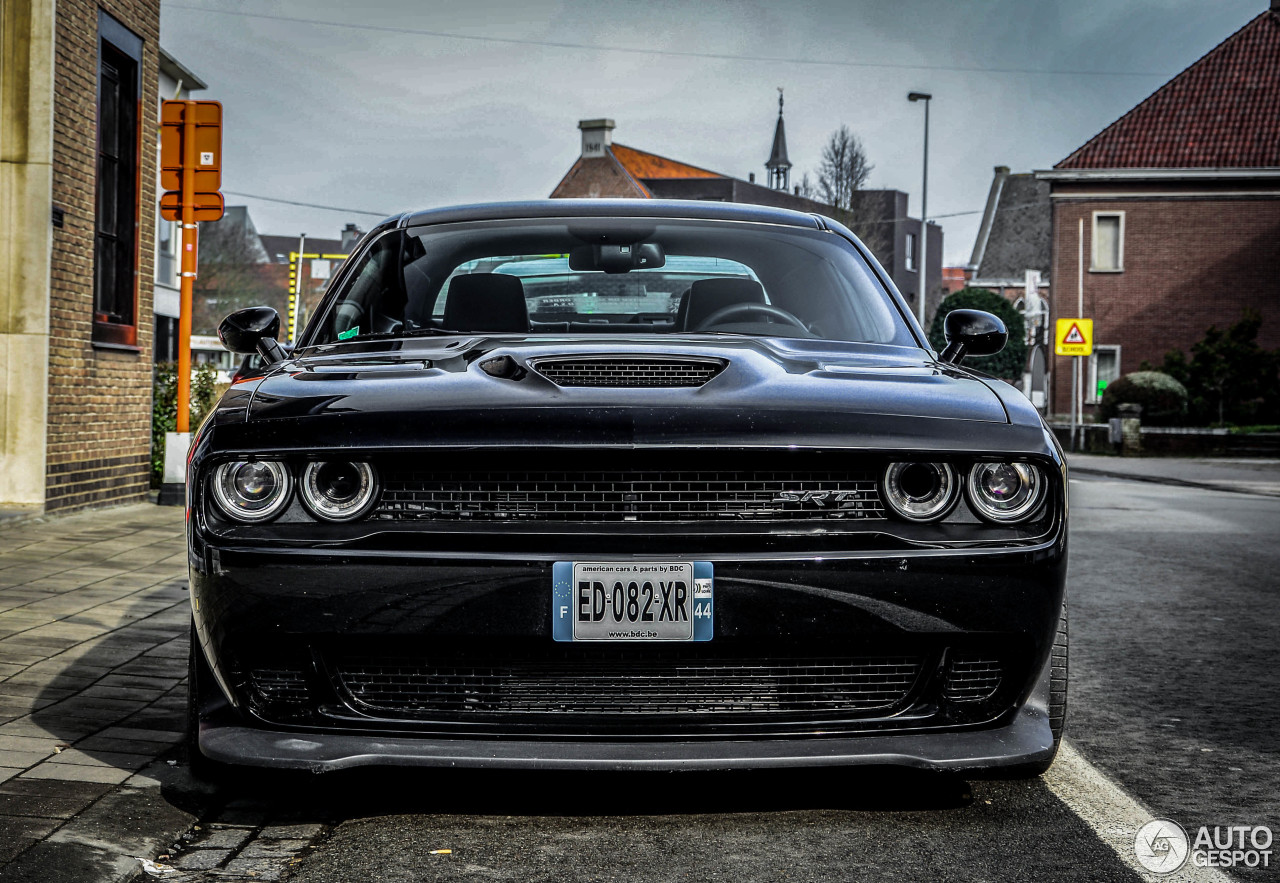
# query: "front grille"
[274,686]
[626,371]
[972,678]
[638,688]
[624,495]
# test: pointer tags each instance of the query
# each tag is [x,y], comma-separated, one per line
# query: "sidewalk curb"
[1161,479]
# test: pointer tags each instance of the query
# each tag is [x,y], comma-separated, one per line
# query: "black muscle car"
[619,485]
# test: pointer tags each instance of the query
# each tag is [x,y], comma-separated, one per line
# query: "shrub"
[1163,399]
[164,407]
[1229,378]
[1010,362]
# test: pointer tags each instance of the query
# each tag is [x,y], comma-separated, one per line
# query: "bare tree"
[233,275]
[806,188]
[841,176]
[844,169]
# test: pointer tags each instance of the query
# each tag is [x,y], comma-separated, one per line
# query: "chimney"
[596,136]
[751,177]
[350,236]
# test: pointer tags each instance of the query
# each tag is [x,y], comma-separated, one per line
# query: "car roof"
[613,208]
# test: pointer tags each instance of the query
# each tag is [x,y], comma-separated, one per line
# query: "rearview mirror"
[617,258]
[253,330]
[972,333]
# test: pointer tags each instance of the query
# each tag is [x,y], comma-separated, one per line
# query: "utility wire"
[670,53]
[332,208]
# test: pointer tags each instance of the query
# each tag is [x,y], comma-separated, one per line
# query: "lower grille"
[637,688]
[972,678]
[276,686]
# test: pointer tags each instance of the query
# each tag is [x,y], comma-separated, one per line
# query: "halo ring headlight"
[1004,492]
[339,490]
[920,491]
[251,491]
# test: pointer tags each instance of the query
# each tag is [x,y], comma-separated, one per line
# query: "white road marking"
[1113,814]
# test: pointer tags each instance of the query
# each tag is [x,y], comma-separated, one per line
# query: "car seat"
[708,295]
[486,302]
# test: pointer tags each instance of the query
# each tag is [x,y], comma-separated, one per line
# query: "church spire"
[778,165]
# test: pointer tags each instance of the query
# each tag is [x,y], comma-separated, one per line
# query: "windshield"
[598,276]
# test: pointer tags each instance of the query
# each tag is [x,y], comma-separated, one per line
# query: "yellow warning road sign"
[1074,337]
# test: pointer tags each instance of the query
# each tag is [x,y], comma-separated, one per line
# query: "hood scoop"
[621,371]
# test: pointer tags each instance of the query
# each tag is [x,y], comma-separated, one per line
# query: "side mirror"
[253,330]
[972,333]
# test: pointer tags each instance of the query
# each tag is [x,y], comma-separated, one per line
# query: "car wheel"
[199,678]
[1058,666]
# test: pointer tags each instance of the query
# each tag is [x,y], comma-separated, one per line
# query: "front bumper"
[252,604]
[1025,740]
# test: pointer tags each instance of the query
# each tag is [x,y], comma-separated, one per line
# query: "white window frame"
[173,251]
[1091,396]
[1093,244]
[912,243]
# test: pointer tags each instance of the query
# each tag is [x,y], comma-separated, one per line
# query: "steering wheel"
[767,310]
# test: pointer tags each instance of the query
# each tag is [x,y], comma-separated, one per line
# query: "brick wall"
[1191,260]
[99,417]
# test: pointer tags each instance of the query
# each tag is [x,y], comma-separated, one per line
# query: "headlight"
[920,491]
[338,490]
[253,490]
[1004,492]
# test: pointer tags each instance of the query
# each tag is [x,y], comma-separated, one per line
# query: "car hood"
[437,390]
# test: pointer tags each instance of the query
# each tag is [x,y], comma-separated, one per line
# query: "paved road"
[1175,597]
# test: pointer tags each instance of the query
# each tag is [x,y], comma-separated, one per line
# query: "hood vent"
[628,371]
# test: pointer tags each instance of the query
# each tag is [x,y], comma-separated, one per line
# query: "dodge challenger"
[623,485]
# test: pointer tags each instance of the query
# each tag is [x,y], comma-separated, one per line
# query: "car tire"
[199,679]
[1058,678]
[1059,664]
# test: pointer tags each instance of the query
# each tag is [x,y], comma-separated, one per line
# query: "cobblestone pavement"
[93,662]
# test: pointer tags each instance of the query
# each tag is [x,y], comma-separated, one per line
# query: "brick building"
[1174,213]
[605,169]
[77,250]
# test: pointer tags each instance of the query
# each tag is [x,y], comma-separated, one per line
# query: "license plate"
[616,601]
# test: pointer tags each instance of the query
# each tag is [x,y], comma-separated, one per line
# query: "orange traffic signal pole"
[190,240]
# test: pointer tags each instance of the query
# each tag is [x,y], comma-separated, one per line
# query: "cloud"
[387,120]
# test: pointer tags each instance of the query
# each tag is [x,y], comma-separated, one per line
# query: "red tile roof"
[641,164]
[1221,112]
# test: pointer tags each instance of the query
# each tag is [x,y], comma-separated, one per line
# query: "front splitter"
[1026,740]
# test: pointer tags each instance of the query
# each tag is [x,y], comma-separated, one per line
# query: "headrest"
[485,302]
[708,295]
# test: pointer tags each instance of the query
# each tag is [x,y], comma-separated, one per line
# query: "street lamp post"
[923,268]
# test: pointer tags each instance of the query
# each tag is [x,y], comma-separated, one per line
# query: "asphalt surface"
[1175,605]
[773,826]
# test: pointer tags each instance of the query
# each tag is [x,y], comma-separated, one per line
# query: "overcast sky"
[378,119]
